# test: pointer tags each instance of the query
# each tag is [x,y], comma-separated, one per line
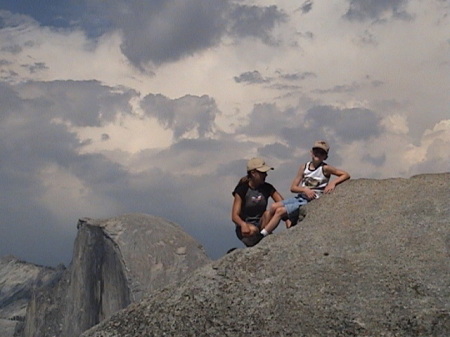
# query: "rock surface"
[370,259]
[18,281]
[115,262]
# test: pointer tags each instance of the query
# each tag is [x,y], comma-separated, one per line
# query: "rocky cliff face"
[18,281]
[370,259]
[116,261]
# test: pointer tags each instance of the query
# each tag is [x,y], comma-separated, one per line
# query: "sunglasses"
[319,152]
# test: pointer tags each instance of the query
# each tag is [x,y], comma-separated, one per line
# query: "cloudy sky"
[154,106]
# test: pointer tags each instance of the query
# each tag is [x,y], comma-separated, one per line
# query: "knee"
[275,206]
[280,211]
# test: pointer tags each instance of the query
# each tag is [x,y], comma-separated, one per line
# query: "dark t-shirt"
[254,201]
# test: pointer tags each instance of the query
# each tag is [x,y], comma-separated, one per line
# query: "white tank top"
[315,179]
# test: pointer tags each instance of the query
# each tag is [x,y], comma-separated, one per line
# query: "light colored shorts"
[293,204]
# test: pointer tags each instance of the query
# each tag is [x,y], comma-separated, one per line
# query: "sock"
[264,232]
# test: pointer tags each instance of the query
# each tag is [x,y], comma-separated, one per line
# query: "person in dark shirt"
[251,196]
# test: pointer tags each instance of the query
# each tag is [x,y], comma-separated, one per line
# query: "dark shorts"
[249,241]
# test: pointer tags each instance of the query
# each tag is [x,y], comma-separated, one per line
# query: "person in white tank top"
[312,179]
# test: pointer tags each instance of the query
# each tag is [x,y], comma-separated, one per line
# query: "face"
[259,176]
[319,154]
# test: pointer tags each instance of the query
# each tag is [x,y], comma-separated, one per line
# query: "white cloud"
[432,153]
[396,124]
[81,125]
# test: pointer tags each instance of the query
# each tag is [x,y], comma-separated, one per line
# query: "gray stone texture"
[370,259]
[115,262]
[18,281]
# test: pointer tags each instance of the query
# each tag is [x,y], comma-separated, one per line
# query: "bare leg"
[265,219]
[267,216]
[275,220]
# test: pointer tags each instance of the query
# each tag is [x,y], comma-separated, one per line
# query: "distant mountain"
[116,262]
[370,259]
[18,281]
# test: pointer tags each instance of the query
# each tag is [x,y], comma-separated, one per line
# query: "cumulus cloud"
[170,30]
[255,77]
[254,21]
[183,115]
[261,121]
[345,124]
[167,30]
[85,132]
[306,6]
[81,103]
[433,150]
[376,9]
[341,88]
[251,77]
[42,168]
[297,76]
[173,29]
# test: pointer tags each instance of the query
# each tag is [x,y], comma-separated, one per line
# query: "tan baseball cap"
[321,144]
[258,164]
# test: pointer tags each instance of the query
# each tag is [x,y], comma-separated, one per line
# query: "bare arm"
[296,185]
[246,228]
[340,174]
[276,196]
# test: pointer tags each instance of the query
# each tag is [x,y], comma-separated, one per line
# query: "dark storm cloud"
[347,124]
[376,9]
[262,120]
[35,67]
[82,103]
[30,139]
[375,160]
[343,88]
[276,150]
[278,80]
[254,21]
[251,77]
[156,31]
[297,129]
[49,13]
[297,76]
[285,87]
[31,142]
[166,31]
[13,49]
[183,115]
[306,7]
[9,98]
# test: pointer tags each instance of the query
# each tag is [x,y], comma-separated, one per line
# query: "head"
[257,169]
[320,150]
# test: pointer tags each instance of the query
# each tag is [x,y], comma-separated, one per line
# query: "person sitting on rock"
[251,195]
[312,179]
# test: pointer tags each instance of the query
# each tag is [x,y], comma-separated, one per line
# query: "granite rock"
[115,262]
[18,281]
[370,259]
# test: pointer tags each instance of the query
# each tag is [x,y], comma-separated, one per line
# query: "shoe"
[300,217]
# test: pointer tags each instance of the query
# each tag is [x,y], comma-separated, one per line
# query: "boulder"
[370,259]
[115,262]
[18,281]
